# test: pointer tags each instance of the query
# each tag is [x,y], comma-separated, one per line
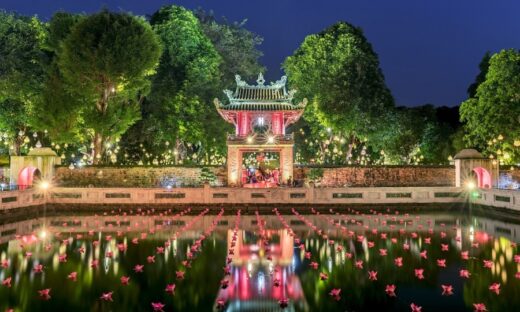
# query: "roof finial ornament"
[260,81]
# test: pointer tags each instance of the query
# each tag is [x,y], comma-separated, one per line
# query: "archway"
[483,177]
[28,176]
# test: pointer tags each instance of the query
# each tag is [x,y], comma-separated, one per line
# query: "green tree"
[338,71]
[236,45]
[107,60]
[58,111]
[179,109]
[491,118]
[21,74]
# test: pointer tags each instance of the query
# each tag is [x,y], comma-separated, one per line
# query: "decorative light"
[500,137]
[270,139]
[71,166]
[249,139]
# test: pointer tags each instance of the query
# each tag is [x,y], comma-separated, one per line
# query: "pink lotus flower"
[441,263]
[383,235]
[383,252]
[135,241]
[447,290]
[283,303]
[428,240]
[488,264]
[424,254]
[517,275]
[390,290]
[359,264]
[150,259]
[7,282]
[107,296]
[348,255]
[94,264]
[62,258]
[73,276]
[45,294]
[406,246]
[419,273]
[81,250]
[479,307]
[125,280]
[180,275]
[464,255]
[495,287]
[324,276]
[170,288]
[314,265]
[443,234]
[221,303]
[158,306]
[335,293]
[28,255]
[398,261]
[5,264]
[464,273]
[138,268]
[109,254]
[414,235]
[415,308]
[372,275]
[38,268]
[517,258]
[445,247]
[121,247]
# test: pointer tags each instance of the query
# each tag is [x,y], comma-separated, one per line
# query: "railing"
[260,138]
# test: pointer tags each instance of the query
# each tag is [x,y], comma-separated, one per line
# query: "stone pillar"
[286,161]
[233,165]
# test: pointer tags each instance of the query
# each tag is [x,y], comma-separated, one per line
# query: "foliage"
[491,117]
[58,111]
[339,73]
[179,108]
[315,174]
[236,45]
[106,61]
[207,176]
[21,74]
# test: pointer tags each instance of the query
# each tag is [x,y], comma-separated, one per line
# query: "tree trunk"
[98,148]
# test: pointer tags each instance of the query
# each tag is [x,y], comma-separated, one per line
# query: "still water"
[242,260]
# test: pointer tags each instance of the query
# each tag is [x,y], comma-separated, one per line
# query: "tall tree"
[21,73]
[491,117]
[338,71]
[179,106]
[237,46]
[483,67]
[58,111]
[107,60]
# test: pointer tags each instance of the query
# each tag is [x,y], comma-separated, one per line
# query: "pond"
[354,259]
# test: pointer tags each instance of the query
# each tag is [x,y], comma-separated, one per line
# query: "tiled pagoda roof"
[260,97]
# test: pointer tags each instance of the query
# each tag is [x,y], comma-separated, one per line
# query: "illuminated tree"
[491,117]
[338,71]
[106,61]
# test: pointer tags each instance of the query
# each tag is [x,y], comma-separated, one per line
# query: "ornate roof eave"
[260,106]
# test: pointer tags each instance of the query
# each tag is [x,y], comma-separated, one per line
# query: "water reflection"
[272,260]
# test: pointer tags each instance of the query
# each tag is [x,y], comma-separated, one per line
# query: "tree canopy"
[491,117]
[106,60]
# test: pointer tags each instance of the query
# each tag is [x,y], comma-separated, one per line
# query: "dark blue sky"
[429,49]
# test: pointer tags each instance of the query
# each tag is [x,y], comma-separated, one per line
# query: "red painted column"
[277,123]
[243,123]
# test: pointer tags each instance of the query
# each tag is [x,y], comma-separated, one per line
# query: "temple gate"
[260,114]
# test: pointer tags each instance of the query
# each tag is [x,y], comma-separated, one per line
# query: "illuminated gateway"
[260,153]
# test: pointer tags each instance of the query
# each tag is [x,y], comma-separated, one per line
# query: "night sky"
[429,49]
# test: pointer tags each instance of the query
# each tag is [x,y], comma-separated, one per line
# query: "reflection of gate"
[471,165]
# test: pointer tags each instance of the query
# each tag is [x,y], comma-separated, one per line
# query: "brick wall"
[131,176]
[384,176]
[345,176]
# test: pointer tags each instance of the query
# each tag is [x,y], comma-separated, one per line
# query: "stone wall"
[376,176]
[133,176]
[379,176]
